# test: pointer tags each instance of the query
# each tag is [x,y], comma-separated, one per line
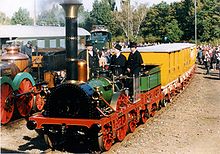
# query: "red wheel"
[153,110]
[105,142]
[131,126]
[7,105]
[39,103]
[144,116]
[25,102]
[121,133]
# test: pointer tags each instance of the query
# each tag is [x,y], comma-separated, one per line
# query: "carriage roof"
[20,31]
[165,47]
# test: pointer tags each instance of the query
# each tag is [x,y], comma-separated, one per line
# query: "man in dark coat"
[118,61]
[27,49]
[134,60]
[93,59]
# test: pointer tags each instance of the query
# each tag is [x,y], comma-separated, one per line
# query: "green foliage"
[120,38]
[83,17]
[177,21]
[52,17]
[112,4]
[4,20]
[173,32]
[151,39]
[160,22]
[21,17]
[185,16]
[101,13]
[208,21]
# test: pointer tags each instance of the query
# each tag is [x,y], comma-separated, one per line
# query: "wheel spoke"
[132,126]
[121,133]
[39,102]
[153,110]
[25,102]
[7,106]
[144,116]
[105,141]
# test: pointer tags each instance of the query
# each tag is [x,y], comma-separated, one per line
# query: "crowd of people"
[209,56]
[126,44]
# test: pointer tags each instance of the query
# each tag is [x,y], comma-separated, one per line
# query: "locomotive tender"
[100,37]
[102,110]
[18,88]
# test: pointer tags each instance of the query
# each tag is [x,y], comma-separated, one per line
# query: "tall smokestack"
[71,9]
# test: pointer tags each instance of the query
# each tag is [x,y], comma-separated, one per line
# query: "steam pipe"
[71,11]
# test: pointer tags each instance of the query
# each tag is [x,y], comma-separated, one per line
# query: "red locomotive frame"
[116,125]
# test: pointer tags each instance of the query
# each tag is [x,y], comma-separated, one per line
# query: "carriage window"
[41,43]
[62,43]
[53,43]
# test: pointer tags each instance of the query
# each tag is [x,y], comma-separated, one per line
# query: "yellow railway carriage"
[174,59]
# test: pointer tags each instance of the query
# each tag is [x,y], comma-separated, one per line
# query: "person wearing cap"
[118,61]
[134,60]
[91,58]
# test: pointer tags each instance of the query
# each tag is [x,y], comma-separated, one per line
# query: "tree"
[160,23]
[185,16]
[112,4]
[101,12]
[83,17]
[173,32]
[208,20]
[138,16]
[130,18]
[21,17]
[4,20]
[52,17]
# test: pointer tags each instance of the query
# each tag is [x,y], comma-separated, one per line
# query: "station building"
[41,36]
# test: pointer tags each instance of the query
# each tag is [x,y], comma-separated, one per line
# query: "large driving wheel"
[144,116]
[121,133]
[7,105]
[105,142]
[153,110]
[131,126]
[25,102]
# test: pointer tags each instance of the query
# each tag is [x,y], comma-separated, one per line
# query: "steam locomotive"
[102,110]
[100,37]
[18,88]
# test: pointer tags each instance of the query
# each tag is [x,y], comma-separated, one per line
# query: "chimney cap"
[74,2]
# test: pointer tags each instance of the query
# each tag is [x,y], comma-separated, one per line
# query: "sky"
[11,6]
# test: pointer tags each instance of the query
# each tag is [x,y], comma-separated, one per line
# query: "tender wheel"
[153,110]
[163,103]
[25,102]
[105,142]
[121,133]
[144,116]
[7,105]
